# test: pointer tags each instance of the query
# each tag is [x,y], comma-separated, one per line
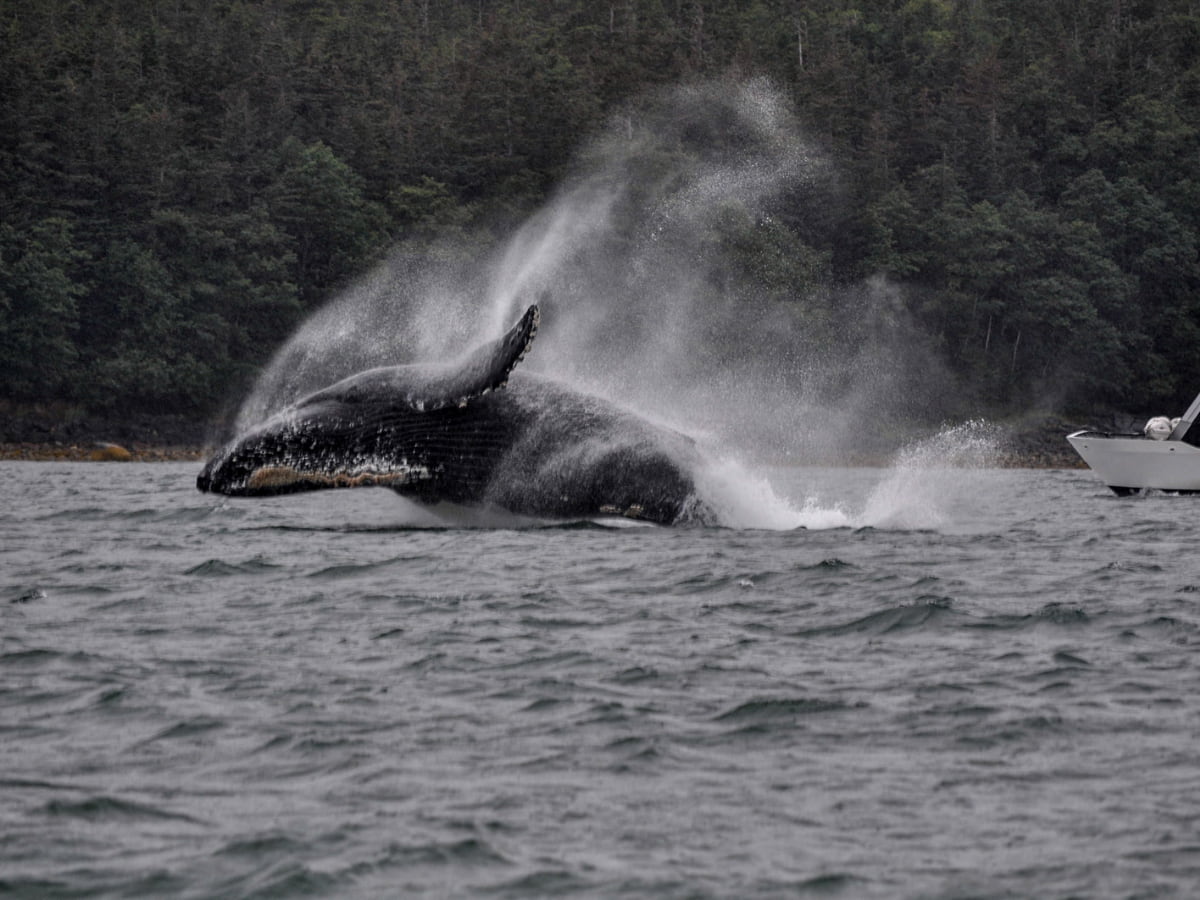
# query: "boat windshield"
[1184,430]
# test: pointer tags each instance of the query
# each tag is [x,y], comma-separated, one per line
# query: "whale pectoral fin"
[424,388]
[487,367]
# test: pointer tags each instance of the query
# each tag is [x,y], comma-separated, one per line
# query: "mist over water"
[656,265]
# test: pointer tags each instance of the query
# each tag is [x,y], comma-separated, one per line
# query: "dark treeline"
[182,180]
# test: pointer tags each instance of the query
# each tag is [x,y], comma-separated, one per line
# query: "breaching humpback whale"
[470,432]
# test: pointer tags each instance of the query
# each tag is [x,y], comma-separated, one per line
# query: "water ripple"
[298,698]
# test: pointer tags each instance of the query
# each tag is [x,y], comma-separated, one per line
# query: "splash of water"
[646,301]
[931,484]
[744,499]
[930,479]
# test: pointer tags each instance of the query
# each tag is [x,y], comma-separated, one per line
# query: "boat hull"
[1129,463]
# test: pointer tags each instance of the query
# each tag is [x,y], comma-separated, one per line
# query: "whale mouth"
[632,511]
[284,479]
[278,479]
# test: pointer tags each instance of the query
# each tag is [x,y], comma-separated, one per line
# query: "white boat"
[1164,456]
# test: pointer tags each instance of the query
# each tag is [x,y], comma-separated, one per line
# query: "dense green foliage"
[180,181]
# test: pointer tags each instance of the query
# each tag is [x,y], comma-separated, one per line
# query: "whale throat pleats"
[410,452]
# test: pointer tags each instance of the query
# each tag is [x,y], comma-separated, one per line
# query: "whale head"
[384,426]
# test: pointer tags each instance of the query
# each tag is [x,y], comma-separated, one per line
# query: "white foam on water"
[932,484]
[743,499]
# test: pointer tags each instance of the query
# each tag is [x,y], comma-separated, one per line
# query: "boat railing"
[1089,433]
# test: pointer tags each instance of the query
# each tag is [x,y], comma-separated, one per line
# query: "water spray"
[656,264]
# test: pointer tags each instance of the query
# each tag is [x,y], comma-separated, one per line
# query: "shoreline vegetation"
[1002,195]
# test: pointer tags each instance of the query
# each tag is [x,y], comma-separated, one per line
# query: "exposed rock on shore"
[1040,442]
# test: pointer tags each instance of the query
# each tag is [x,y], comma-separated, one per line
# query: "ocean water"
[944,683]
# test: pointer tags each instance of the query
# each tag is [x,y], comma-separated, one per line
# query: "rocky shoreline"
[99,451]
[1038,449]
[1035,441]
[1039,443]
[61,434]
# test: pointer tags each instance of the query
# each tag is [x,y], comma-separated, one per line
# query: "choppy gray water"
[974,683]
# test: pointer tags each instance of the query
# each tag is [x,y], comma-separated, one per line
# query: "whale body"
[470,432]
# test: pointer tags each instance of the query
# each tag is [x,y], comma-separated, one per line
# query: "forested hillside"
[182,180]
